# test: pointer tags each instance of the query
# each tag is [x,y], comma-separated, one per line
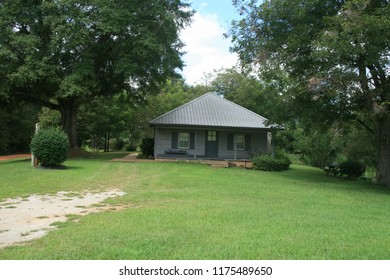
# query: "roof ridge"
[182,106]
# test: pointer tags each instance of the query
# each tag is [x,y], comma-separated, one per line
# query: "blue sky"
[206,48]
[223,8]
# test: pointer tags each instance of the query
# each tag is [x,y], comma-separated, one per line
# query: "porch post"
[154,143]
[273,143]
[195,145]
[235,147]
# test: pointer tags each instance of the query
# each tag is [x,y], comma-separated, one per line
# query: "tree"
[173,93]
[238,86]
[17,124]
[120,118]
[104,118]
[61,54]
[335,55]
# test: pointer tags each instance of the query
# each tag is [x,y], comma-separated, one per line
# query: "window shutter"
[175,136]
[248,147]
[230,141]
[192,140]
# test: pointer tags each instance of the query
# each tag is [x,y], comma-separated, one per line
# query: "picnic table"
[332,168]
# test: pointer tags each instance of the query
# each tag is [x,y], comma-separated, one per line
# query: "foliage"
[319,148]
[329,60]
[50,146]
[126,120]
[268,162]
[17,125]
[240,87]
[147,148]
[48,117]
[361,146]
[353,169]
[61,54]
[105,118]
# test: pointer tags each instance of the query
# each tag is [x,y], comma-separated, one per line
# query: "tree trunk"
[383,167]
[68,109]
[107,142]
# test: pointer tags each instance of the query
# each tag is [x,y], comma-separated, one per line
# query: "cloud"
[206,48]
[203,5]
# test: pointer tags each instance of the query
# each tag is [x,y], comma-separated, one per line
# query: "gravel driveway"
[24,219]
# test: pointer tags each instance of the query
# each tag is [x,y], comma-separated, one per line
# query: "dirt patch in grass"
[21,156]
[25,219]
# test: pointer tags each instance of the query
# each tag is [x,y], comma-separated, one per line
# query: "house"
[211,127]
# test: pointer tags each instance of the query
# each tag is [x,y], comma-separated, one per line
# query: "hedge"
[278,162]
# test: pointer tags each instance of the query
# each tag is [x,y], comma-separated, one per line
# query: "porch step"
[219,164]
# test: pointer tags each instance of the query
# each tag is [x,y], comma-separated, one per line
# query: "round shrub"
[50,146]
[267,162]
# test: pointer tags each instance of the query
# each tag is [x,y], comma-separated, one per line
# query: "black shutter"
[248,147]
[175,136]
[230,141]
[192,140]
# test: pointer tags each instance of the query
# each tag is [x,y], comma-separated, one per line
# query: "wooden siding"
[259,143]
[163,141]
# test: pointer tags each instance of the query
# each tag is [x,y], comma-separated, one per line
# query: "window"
[240,142]
[184,140]
[211,136]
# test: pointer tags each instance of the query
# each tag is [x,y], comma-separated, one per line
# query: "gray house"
[210,127]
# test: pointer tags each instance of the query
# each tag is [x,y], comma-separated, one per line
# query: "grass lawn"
[188,211]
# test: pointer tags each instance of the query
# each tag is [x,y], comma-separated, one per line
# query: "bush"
[147,148]
[130,148]
[50,146]
[353,169]
[280,161]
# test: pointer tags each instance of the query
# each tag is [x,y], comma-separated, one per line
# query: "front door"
[211,144]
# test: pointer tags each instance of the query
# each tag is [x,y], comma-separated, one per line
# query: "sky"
[206,48]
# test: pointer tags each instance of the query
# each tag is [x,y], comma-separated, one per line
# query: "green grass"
[187,211]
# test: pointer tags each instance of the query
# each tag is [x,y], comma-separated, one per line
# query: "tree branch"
[375,75]
[38,101]
[365,126]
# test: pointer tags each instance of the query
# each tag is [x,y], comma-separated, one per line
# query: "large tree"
[17,124]
[239,86]
[333,53]
[62,53]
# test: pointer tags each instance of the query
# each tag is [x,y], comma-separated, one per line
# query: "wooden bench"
[176,152]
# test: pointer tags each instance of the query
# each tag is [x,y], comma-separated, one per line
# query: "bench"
[175,152]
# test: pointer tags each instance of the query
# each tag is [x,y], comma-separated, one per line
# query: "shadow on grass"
[59,168]
[73,167]
[9,161]
[103,156]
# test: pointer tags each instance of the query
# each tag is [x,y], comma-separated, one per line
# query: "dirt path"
[21,156]
[25,219]
[132,158]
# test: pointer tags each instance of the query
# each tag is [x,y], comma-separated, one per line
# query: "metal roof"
[211,110]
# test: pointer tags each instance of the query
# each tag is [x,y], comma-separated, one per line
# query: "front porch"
[226,163]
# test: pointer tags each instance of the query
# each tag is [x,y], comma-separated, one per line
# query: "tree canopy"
[328,59]
[61,54]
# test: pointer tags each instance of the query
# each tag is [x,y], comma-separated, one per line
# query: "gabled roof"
[211,110]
